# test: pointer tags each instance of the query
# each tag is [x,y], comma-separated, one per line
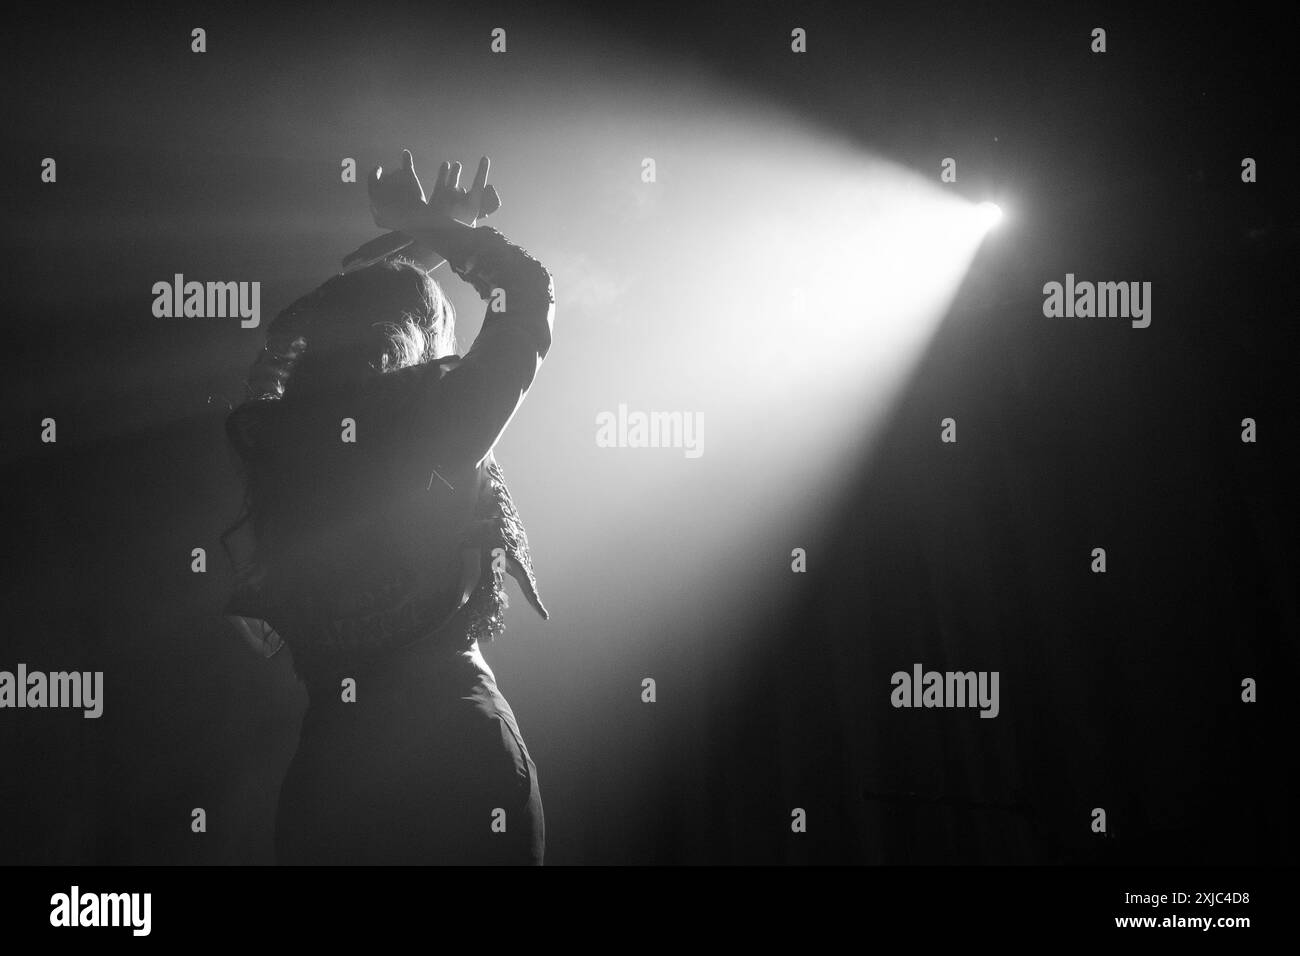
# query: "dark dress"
[381,564]
[426,767]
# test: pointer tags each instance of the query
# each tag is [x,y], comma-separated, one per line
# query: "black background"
[1119,690]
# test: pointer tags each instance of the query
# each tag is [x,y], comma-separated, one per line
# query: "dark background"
[1119,690]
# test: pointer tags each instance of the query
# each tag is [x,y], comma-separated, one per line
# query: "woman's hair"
[355,326]
[388,316]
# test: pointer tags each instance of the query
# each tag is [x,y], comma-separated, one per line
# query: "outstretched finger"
[408,164]
[440,184]
[453,178]
[480,177]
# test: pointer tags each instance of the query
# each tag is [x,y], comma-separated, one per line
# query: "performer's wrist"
[448,238]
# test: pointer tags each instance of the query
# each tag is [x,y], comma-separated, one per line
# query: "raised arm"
[477,398]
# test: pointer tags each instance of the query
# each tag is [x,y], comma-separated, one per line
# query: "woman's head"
[387,316]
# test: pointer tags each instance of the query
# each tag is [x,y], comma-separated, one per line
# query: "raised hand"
[395,199]
[467,205]
[398,201]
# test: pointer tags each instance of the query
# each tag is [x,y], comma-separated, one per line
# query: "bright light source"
[990,214]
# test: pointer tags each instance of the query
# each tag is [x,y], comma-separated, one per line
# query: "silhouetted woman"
[384,532]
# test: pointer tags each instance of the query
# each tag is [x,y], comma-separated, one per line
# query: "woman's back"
[363,539]
[408,753]
[381,520]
